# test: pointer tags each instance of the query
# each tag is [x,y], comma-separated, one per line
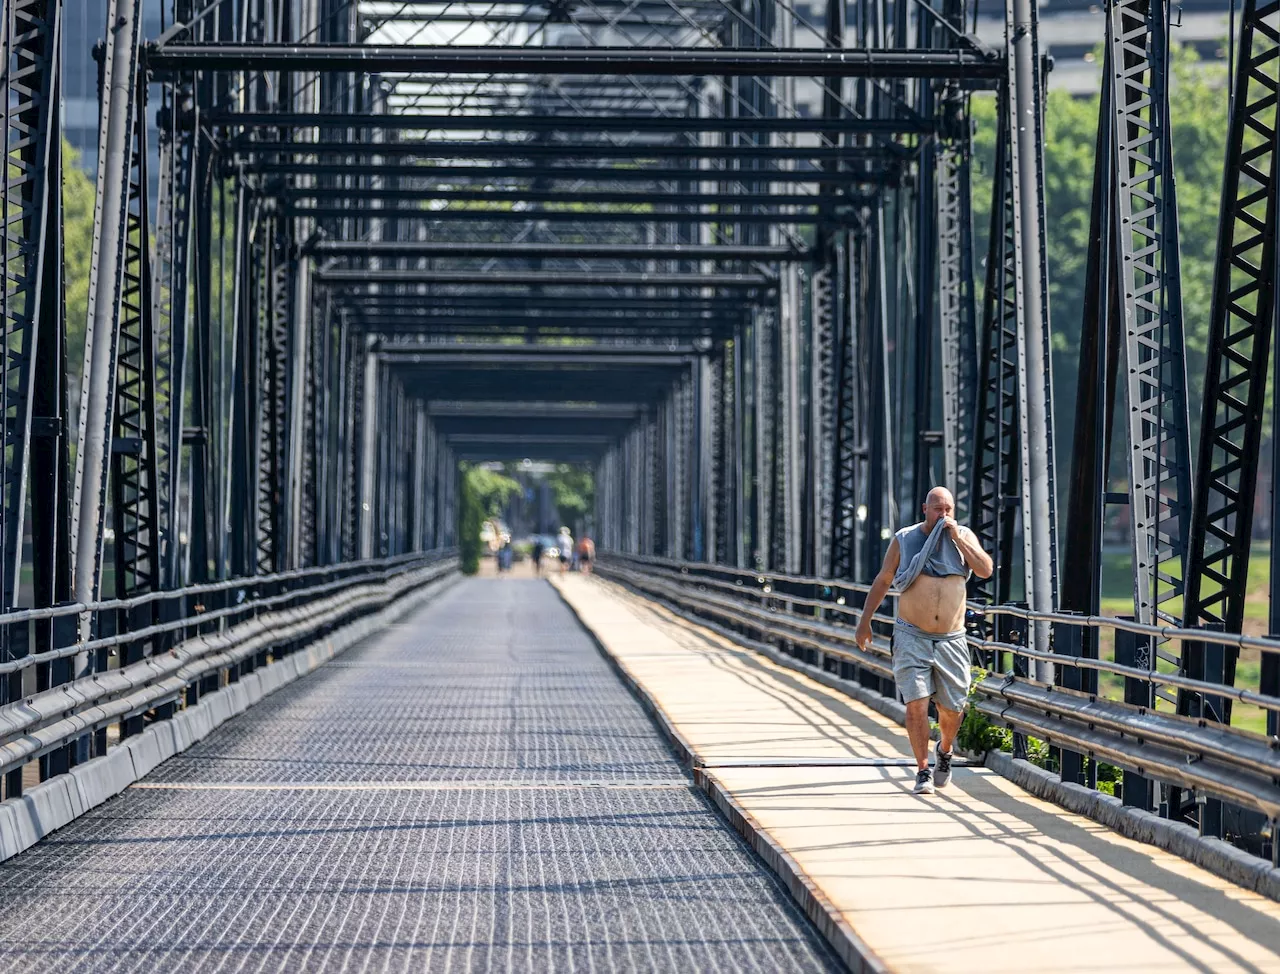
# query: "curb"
[1210,854]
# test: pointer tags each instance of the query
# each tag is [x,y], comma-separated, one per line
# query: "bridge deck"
[473,790]
[980,877]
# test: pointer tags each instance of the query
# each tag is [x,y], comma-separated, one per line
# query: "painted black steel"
[971,64]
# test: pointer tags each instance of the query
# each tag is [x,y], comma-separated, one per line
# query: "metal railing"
[152,655]
[813,619]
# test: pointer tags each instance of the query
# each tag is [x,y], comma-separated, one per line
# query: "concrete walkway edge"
[48,806]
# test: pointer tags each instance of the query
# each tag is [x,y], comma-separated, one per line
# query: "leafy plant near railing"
[978,735]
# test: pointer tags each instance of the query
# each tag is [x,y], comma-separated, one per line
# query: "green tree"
[491,489]
[574,491]
[77,229]
[484,494]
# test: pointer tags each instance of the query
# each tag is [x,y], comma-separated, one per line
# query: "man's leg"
[918,730]
[948,726]
[951,677]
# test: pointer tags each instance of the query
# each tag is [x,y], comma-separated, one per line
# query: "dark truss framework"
[386,238]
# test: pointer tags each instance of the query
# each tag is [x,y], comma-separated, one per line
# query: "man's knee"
[917,707]
[946,713]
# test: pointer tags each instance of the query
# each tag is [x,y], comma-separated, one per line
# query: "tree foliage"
[77,230]
[574,491]
[491,489]
[484,494]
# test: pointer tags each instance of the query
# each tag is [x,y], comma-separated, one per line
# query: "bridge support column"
[106,274]
[366,496]
[1035,385]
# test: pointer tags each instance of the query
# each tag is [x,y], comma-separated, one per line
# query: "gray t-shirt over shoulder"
[932,554]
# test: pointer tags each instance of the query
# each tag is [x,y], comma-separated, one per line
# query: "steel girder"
[970,64]
[569,278]
[998,417]
[34,385]
[416,122]
[554,251]
[1241,325]
[451,172]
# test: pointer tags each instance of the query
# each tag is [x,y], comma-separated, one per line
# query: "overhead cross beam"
[907,124]
[503,277]
[489,194]
[545,251]
[803,217]
[874,175]
[512,151]
[883,63]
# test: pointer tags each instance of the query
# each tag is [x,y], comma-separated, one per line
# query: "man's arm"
[977,559]
[879,589]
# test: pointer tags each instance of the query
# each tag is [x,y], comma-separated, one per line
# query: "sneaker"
[924,782]
[941,767]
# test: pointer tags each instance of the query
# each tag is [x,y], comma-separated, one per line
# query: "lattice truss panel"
[1240,338]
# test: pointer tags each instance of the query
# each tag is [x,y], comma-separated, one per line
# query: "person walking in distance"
[927,564]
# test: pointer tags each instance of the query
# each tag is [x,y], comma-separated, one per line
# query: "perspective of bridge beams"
[736,260]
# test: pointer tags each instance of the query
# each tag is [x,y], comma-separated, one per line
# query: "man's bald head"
[939,503]
[940,493]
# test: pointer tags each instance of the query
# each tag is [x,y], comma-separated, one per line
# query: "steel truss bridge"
[340,247]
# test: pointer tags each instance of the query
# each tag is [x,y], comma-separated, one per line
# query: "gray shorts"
[933,665]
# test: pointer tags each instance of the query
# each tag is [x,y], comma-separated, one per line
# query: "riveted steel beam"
[868,176]
[881,63]
[611,217]
[507,277]
[530,251]
[908,124]
[489,194]
[510,151]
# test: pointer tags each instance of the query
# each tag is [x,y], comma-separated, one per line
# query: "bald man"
[928,564]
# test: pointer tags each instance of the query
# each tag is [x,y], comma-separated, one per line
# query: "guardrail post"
[1211,706]
[1269,680]
[1013,630]
[64,632]
[17,644]
[1134,649]
[1069,641]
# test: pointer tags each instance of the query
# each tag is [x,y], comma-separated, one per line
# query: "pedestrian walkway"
[981,877]
[474,790]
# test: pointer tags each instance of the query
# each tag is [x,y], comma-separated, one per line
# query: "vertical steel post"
[368,465]
[106,280]
[1035,385]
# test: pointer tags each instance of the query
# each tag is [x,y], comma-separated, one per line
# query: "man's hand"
[952,525]
[862,635]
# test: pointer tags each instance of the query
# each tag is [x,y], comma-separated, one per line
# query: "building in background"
[1072,30]
[84,24]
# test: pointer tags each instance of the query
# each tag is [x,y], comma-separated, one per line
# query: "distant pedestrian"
[564,543]
[586,552]
[537,556]
[927,564]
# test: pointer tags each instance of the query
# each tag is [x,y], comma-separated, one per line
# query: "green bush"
[978,735]
[470,520]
